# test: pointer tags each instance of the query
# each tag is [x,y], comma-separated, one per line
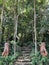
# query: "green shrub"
[35,59]
[8,60]
[39,60]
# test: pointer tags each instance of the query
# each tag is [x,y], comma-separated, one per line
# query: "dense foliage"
[22,11]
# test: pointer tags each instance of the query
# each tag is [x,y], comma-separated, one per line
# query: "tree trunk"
[15,31]
[35,28]
[15,24]
[32,31]
[1,25]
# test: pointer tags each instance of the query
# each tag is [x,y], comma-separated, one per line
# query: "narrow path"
[25,58]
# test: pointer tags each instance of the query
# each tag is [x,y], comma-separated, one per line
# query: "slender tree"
[15,24]
[35,27]
[2,12]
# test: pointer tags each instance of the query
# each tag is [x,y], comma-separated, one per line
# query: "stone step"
[23,60]
[26,54]
[23,63]
[24,57]
[26,49]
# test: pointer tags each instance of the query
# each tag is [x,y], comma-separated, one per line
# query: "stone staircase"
[24,58]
